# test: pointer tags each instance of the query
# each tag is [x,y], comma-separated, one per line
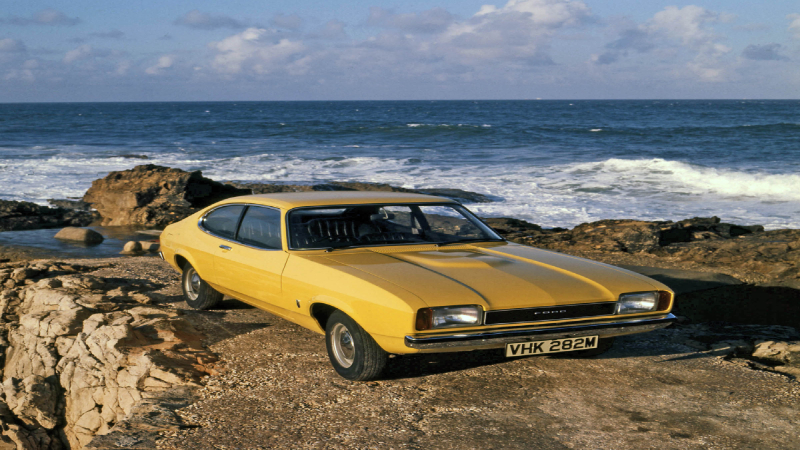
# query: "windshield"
[368,225]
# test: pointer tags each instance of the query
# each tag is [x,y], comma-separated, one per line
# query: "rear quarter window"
[222,221]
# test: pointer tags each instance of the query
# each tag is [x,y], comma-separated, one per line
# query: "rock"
[77,361]
[778,353]
[510,228]
[23,273]
[154,195]
[78,205]
[30,216]
[149,246]
[33,400]
[84,235]
[131,248]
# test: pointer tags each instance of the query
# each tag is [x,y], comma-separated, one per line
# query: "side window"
[261,227]
[222,221]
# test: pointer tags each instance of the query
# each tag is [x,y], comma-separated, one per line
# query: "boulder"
[154,195]
[149,246]
[30,216]
[131,248]
[85,235]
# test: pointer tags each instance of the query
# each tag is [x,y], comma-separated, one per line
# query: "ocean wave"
[675,176]
[550,195]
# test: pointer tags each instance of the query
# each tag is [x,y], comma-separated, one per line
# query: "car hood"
[496,276]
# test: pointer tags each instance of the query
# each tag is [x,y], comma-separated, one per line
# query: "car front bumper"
[498,338]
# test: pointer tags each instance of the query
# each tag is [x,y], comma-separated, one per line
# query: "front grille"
[550,313]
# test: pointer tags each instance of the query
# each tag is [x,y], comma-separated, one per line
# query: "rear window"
[261,227]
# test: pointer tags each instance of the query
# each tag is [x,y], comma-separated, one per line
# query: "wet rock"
[149,246]
[30,216]
[131,248]
[78,205]
[154,195]
[84,235]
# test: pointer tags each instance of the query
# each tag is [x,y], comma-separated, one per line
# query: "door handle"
[224,247]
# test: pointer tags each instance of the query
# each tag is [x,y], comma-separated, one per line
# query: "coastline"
[189,378]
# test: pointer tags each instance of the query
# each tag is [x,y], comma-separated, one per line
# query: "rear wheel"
[352,351]
[198,294]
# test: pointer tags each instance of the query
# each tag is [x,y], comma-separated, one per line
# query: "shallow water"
[43,244]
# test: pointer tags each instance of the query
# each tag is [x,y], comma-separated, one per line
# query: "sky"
[203,50]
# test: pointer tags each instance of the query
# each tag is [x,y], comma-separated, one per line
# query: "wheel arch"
[182,258]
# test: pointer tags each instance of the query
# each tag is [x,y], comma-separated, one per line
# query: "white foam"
[558,195]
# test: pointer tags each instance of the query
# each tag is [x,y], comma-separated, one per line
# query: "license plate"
[551,346]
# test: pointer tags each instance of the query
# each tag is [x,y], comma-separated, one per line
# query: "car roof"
[289,200]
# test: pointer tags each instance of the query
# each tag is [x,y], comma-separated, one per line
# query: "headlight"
[448,317]
[637,302]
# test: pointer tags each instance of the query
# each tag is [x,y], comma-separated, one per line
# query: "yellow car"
[380,273]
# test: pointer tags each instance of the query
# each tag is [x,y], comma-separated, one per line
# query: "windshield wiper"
[340,247]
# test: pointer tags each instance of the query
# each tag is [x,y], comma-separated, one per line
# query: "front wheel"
[352,351]
[197,293]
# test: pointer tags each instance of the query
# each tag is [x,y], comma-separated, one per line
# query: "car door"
[220,226]
[252,262]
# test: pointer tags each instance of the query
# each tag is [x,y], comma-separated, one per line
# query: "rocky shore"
[104,353]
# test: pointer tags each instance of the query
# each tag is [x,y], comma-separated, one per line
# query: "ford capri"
[392,273]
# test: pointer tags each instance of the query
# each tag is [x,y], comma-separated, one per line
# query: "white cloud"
[794,25]
[11,46]
[520,31]
[164,62]
[122,68]
[206,21]
[687,24]
[675,32]
[44,17]
[82,52]
[430,21]
[255,50]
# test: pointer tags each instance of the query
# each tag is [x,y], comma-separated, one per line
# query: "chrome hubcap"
[192,284]
[343,348]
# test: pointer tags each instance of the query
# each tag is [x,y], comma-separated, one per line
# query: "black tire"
[352,351]
[197,293]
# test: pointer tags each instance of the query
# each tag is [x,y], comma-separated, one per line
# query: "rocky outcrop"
[85,235]
[771,348]
[455,194]
[81,351]
[773,255]
[30,216]
[154,195]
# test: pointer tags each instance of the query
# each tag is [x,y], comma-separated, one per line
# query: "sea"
[553,163]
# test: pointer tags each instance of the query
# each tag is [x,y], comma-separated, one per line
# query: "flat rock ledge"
[16,216]
[84,355]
